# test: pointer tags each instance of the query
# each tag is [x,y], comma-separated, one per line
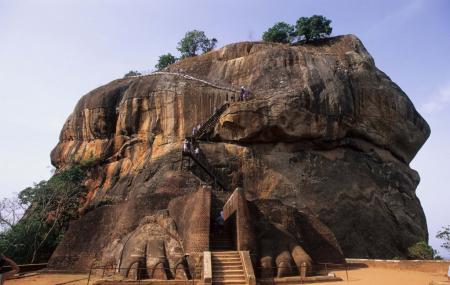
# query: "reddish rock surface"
[324,132]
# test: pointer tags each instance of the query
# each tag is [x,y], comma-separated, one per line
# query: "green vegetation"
[313,28]
[444,235]
[165,60]
[421,250]
[281,32]
[192,44]
[132,73]
[195,41]
[306,28]
[50,206]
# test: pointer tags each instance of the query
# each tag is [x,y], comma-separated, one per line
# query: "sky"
[54,51]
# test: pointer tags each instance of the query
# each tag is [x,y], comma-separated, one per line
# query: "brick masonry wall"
[192,216]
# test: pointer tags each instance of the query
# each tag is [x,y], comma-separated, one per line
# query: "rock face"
[324,132]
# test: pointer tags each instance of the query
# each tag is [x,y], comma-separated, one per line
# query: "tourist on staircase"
[241,95]
[220,221]
[186,146]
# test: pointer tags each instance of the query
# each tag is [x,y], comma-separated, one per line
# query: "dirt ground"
[52,279]
[382,276]
[360,276]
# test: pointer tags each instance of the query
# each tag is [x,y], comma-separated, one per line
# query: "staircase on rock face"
[211,122]
[199,159]
[227,268]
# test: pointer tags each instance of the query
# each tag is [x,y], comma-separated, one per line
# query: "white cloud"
[438,102]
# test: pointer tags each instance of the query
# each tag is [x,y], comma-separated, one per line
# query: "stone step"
[226,263]
[227,257]
[225,254]
[235,282]
[228,266]
[220,273]
[242,279]
[229,278]
[229,270]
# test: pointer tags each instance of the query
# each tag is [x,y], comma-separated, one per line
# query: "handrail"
[208,123]
[248,267]
[205,168]
[186,76]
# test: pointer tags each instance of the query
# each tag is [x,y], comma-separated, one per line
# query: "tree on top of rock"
[165,60]
[195,41]
[281,32]
[313,28]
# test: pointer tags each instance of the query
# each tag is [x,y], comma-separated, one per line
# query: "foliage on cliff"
[50,206]
[195,41]
[281,32]
[444,235]
[165,60]
[313,28]
[306,28]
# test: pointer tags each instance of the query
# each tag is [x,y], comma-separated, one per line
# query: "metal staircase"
[200,161]
[199,158]
[206,127]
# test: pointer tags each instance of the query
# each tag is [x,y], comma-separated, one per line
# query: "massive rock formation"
[324,132]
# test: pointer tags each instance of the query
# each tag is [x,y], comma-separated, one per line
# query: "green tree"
[165,60]
[313,28]
[132,73]
[195,41]
[444,235]
[421,250]
[51,205]
[281,32]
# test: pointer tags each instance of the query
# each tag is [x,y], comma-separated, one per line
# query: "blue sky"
[54,51]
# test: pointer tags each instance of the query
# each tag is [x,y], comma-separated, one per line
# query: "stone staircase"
[211,122]
[227,268]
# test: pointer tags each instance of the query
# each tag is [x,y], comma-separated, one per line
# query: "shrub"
[313,28]
[165,60]
[421,250]
[132,73]
[281,32]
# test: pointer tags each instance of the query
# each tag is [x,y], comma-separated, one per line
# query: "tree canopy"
[165,60]
[195,41]
[50,206]
[313,28]
[444,235]
[421,250]
[281,32]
